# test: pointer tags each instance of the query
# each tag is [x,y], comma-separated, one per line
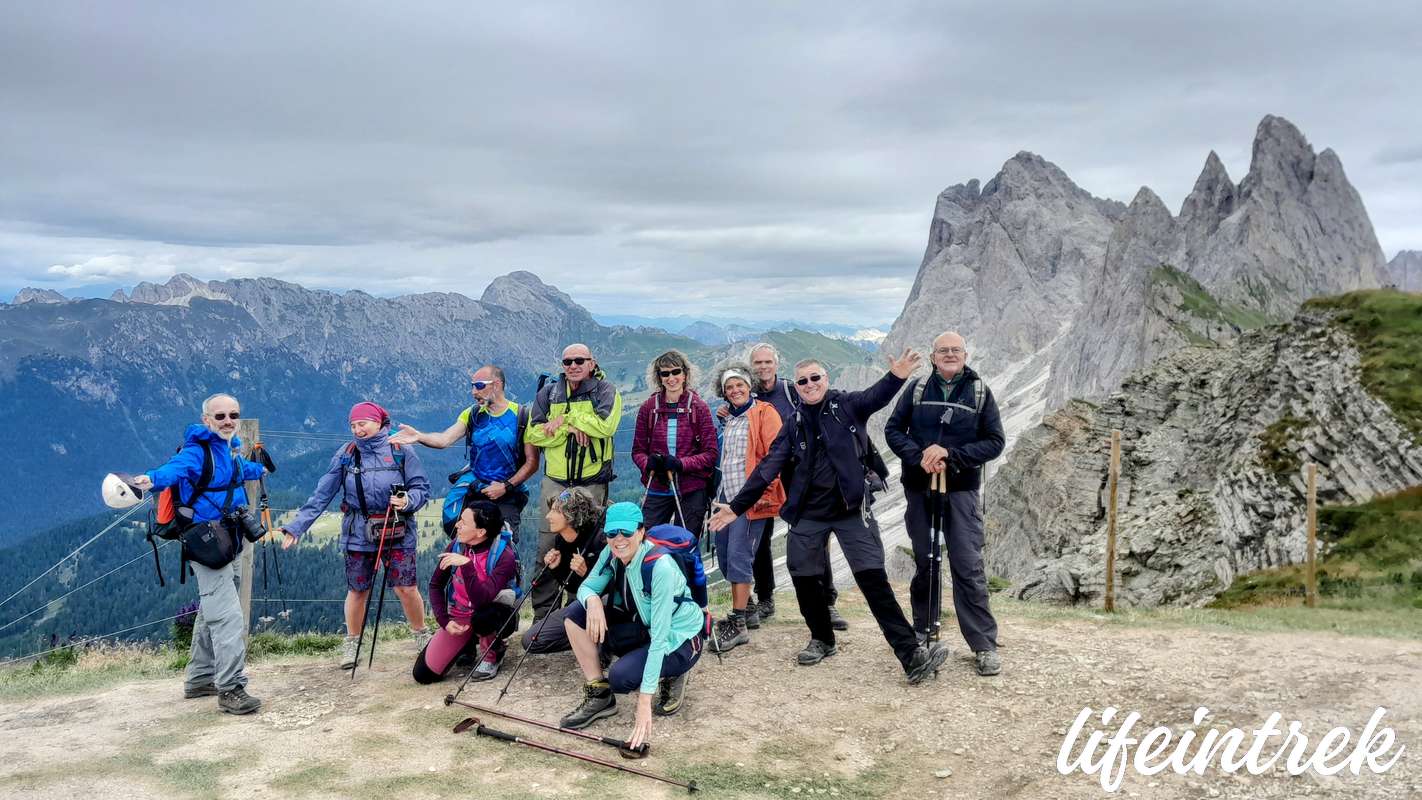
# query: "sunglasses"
[233,415]
[579,360]
[805,381]
[615,534]
[667,373]
[479,385]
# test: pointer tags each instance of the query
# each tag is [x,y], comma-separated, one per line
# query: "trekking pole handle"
[481,730]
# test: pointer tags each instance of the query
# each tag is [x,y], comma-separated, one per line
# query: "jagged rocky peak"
[1213,197]
[1405,270]
[32,295]
[179,290]
[1282,158]
[118,297]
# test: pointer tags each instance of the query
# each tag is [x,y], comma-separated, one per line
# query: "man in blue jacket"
[218,661]
[948,422]
[824,456]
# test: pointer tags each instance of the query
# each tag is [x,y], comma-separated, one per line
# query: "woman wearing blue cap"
[656,659]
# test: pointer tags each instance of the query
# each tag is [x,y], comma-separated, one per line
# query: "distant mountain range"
[90,386]
[727,330]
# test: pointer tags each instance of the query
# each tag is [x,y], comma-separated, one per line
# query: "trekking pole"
[627,752]
[384,579]
[512,615]
[483,730]
[935,595]
[541,623]
[676,496]
[365,614]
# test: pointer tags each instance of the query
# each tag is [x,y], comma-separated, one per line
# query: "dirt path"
[755,726]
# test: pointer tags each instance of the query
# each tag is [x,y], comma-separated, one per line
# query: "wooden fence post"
[249,431]
[1112,481]
[1311,598]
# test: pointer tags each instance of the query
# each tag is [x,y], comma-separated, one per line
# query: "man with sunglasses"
[778,392]
[493,434]
[572,421]
[948,423]
[824,456]
[217,665]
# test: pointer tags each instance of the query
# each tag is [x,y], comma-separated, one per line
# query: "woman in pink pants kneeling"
[472,592]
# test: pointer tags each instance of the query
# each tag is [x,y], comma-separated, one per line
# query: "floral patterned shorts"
[360,569]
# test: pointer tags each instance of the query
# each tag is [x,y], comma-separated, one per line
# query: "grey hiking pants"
[545,591]
[219,654]
[963,550]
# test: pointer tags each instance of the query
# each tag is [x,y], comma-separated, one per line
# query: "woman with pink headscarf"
[381,485]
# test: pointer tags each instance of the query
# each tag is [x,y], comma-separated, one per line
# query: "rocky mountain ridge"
[1061,294]
[1213,443]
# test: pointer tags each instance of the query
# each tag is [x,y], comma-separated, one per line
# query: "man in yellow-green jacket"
[573,420]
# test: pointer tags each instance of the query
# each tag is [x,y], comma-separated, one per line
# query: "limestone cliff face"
[1212,485]
[1061,294]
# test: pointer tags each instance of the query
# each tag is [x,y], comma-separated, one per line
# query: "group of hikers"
[622,585]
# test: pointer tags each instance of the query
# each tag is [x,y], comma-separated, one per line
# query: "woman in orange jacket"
[746,434]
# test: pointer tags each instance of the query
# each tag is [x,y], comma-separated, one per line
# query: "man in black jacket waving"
[823,455]
[947,422]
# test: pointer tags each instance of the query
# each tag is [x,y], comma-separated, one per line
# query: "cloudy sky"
[754,159]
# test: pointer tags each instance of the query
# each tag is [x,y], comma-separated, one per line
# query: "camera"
[397,490]
[242,520]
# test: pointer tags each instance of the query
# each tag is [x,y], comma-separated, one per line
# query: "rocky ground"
[755,725]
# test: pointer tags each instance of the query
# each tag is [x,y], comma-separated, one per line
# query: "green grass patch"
[267,644]
[1276,453]
[1196,301]
[1387,326]
[1373,562]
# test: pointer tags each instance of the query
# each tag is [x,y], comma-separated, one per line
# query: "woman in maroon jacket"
[472,594]
[675,446]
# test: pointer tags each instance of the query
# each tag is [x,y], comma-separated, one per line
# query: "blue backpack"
[679,544]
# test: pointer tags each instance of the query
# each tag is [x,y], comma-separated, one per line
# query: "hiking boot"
[598,702]
[203,690]
[730,633]
[766,607]
[926,661]
[488,665]
[670,692]
[349,652]
[815,652]
[836,621]
[237,701]
[753,616]
[987,662]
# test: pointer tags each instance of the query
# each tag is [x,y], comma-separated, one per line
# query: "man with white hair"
[947,423]
[208,474]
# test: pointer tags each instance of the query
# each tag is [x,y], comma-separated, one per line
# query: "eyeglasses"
[667,373]
[479,385]
[949,351]
[579,360]
[222,417]
[615,534]
[805,381]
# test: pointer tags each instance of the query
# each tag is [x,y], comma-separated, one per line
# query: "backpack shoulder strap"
[353,458]
[919,384]
[204,481]
[979,394]
[649,561]
[785,386]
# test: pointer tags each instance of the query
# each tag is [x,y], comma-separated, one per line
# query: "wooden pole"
[250,433]
[1311,598]
[1112,481]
